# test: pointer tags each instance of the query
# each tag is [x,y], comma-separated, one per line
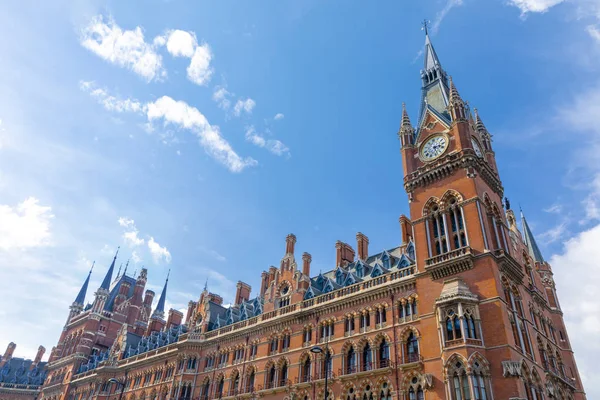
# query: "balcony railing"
[450,263]
[412,358]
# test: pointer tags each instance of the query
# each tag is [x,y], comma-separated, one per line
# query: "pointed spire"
[406,132]
[119,272]
[431,59]
[125,271]
[205,285]
[534,250]
[454,96]
[159,311]
[109,273]
[479,123]
[82,292]
[405,118]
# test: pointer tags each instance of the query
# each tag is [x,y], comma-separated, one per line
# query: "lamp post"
[319,350]
[122,384]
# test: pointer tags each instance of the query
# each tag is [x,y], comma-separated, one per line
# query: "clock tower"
[476,273]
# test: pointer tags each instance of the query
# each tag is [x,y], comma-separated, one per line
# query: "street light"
[319,350]
[115,381]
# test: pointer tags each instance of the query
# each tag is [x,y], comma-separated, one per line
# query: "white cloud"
[109,102]
[221,97]
[576,273]
[25,225]
[135,257]
[538,6]
[443,12]
[278,116]
[243,105]
[181,43]
[594,32]
[554,209]
[555,233]
[126,49]
[274,146]
[185,116]
[199,70]
[158,252]
[130,236]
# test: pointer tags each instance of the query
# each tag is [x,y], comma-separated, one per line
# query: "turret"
[456,105]
[77,305]
[406,134]
[159,311]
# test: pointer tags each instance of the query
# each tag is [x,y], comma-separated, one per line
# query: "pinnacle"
[479,123]
[454,96]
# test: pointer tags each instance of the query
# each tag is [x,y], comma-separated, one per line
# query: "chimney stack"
[175,318]
[190,311]
[242,293]
[10,349]
[344,254]
[148,297]
[38,356]
[362,246]
[405,228]
[290,241]
[306,260]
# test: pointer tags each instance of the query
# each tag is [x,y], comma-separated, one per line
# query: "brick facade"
[465,307]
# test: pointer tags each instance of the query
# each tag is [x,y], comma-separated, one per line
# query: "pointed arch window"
[350,361]
[384,354]
[469,325]
[283,375]
[220,387]
[250,382]
[453,330]
[455,215]
[367,358]
[305,376]
[412,348]
[439,232]
[460,383]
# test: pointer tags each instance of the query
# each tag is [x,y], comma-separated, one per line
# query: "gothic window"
[283,375]
[235,382]
[326,367]
[349,324]
[412,348]
[205,389]
[385,393]
[307,334]
[351,395]
[250,382]
[469,325]
[384,354]
[453,331]
[273,346]
[367,358]
[350,361]
[459,238]
[380,316]
[365,319]
[305,375]
[480,384]
[220,387]
[439,232]
[416,394]
[285,343]
[460,383]
[271,377]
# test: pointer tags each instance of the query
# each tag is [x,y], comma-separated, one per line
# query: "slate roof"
[222,316]
[17,371]
[110,302]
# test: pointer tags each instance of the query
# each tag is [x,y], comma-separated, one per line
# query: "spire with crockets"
[108,278]
[159,311]
[83,291]
[534,250]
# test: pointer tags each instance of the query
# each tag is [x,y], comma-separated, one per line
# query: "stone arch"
[477,361]
[407,330]
[347,345]
[363,342]
[450,364]
[306,355]
[448,196]
[381,336]
[431,204]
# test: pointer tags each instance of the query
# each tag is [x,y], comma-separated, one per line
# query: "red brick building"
[463,308]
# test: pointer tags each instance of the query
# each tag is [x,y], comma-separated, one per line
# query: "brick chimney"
[215,298]
[148,297]
[362,246]
[175,318]
[10,349]
[190,311]
[242,293]
[290,242]
[344,253]
[306,260]
[405,229]
[38,356]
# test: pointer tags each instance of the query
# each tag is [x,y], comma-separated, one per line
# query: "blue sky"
[213,129]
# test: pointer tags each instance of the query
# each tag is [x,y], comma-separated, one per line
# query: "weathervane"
[425,26]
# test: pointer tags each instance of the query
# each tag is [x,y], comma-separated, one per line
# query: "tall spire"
[125,271]
[109,273]
[159,311]
[534,250]
[82,292]
[434,96]
[406,132]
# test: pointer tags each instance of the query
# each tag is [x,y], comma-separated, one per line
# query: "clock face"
[476,147]
[434,148]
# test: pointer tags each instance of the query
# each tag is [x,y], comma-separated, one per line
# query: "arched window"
[416,394]
[235,381]
[327,365]
[220,387]
[412,348]
[385,393]
[367,358]
[283,375]
[250,382]
[384,354]
[271,377]
[469,325]
[453,326]
[439,232]
[351,395]
[480,384]
[460,383]
[350,361]
[305,376]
